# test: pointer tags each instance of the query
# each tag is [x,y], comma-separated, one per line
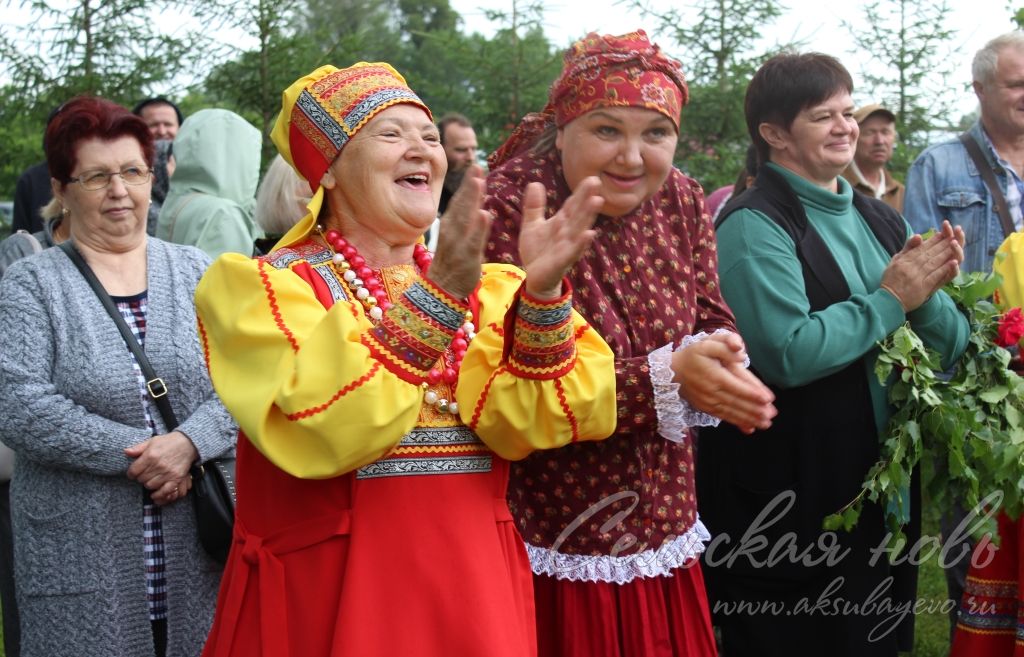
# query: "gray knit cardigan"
[69,405]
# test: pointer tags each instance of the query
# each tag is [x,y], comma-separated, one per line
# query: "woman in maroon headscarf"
[612,528]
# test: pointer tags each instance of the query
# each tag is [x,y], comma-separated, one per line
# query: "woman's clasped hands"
[713,379]
[162,464]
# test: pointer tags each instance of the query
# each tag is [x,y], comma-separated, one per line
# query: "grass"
[931,630]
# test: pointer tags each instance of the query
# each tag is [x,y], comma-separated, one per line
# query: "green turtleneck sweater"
[762,281]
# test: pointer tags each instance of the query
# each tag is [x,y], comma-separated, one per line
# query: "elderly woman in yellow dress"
[381,392]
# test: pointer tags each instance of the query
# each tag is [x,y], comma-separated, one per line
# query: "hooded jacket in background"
[212,195]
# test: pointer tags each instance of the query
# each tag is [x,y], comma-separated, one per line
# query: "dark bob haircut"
[785,85]
[88,117]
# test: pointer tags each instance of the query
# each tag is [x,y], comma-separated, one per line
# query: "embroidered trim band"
[414,333]
[544,342]
[432,451]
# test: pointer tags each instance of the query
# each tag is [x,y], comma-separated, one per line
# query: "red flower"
[1011,328]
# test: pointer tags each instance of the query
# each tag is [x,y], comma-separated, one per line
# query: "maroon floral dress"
[612,527]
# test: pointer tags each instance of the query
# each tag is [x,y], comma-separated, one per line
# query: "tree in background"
[249,82]
[905,55]
[115,48]
[296,36]
[493,81]
[719,39]
[514,72]
[109,48]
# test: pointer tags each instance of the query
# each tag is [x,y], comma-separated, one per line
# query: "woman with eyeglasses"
[106,556]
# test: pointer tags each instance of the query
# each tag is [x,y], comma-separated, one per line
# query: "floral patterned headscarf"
[604,71]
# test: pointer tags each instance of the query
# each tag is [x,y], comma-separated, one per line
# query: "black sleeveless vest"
[824,439]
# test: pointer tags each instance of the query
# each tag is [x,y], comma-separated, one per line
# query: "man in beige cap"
[867,172]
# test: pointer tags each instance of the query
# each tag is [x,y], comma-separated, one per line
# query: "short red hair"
[88,117]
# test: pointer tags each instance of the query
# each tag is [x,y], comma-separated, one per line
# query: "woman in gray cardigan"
[106,556]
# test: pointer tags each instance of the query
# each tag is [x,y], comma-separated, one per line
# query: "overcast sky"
[816,22]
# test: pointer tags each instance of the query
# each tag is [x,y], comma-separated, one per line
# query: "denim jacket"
[944,183]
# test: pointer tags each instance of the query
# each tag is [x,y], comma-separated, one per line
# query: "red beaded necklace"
[367,287]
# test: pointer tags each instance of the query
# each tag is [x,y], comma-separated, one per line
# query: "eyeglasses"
[94,180]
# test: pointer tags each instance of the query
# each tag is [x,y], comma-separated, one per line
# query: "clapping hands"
[923,266]
[548,248]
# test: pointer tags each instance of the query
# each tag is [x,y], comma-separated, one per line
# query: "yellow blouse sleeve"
[536,376]
[299,379]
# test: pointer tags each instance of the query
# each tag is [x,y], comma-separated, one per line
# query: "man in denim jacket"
[944,182]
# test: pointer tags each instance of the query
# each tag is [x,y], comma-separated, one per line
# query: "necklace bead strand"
[370,291]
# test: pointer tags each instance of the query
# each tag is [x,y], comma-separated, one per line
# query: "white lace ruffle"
[656,562]
[675,415]
[669,406]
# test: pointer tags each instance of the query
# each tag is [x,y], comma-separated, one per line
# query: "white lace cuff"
[674,552]
[675,415]
[669,406]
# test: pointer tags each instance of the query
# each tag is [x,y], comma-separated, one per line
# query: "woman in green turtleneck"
[816,274]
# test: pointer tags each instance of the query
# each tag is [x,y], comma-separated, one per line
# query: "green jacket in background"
[212,195]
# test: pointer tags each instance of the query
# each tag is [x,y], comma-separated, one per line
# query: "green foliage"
[713,137]
[110,48]
[967,431]
[517,68]
[718,38]
[493,81]
[21,133]
[250,84]
[906,62]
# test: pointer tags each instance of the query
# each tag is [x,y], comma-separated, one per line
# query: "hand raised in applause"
[923,266]
[548,248]
[712,379]
[462,237]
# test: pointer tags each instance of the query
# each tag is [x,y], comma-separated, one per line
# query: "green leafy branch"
[969,427]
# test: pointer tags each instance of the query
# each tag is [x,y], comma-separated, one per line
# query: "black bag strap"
[155,386]
[1002,209]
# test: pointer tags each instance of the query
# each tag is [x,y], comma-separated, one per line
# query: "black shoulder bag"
[213,482]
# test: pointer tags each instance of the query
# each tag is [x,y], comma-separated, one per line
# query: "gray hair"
[983,69]
[277,200]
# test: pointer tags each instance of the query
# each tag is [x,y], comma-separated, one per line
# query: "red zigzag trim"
[206,343]
[274,309]
[483,398]
[338,395]
[568,413]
